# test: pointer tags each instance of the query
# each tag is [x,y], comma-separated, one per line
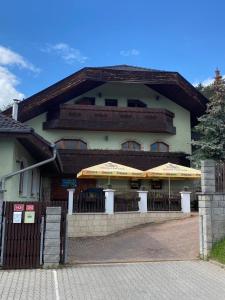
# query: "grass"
[218,252]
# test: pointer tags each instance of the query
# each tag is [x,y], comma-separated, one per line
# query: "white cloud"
[8,80]
[8,91]
[66,52]
[10,58]
[131,52]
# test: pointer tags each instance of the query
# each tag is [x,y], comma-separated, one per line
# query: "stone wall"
[211,210]
[100,224]
[52,237]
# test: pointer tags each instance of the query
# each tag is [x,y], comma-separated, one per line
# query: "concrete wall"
[100,224]
[181,142]
[211,210]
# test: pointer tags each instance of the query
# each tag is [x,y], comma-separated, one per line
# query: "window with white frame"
[35,182]
[23,179]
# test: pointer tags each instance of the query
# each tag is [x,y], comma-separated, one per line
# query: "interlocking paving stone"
[175,280]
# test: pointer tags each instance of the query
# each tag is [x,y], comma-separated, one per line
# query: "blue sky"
[42,42]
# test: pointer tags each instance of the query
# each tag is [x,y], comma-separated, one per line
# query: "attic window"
[135,103]
[71,144]
[111,102]
[85,101]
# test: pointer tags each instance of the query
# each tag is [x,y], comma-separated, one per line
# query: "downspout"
[5,177]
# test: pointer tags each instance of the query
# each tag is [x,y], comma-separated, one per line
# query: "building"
[21,147]
[134,116]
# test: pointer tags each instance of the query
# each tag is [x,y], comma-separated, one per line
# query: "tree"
[211,127]
[206,90]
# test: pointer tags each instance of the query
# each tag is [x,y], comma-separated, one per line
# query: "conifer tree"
[210,130]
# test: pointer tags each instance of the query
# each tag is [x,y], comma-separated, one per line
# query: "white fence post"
[143,207]
[185,201]
[70,201]
[109,201]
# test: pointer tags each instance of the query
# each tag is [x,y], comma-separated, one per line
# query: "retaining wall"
[100,224]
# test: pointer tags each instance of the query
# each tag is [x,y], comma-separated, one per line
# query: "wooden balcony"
[75,160]
[101,118]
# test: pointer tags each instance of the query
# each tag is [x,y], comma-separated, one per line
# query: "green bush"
[218,251]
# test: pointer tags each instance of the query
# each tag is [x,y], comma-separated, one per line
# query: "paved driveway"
[172,240]
[180,280]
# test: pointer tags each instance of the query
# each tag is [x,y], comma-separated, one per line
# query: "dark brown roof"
[129,68]
[9,125]
[170,84]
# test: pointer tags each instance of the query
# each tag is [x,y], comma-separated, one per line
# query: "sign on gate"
[17,217]
[29,217]
[18,207]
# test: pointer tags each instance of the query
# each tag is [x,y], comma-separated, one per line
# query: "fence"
[158,201]
[126,201]
[220,177]
[91,200]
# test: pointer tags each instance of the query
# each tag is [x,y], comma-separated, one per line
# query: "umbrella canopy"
[110,169]
[173,171]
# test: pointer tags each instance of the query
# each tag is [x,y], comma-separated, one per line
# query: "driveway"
[171,240]
[175,280]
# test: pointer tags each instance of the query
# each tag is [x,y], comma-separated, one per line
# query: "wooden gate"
[22,234]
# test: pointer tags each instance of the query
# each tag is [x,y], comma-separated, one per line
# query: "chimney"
[15,109]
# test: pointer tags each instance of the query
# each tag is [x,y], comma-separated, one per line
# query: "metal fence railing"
[126,201]
[159,201]
[220,177]
[90,200]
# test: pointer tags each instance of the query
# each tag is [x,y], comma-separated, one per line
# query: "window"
[159,147]
[135,103]
[111,102]
[86,101]
[23,179]
[71,144]
[35,182]
[131,146]
[21,184]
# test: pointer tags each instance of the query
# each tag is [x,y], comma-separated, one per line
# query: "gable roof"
[170,84]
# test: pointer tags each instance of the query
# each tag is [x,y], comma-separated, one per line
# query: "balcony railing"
[101,118]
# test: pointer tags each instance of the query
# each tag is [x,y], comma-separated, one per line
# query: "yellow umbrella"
[173,171]
[110,169]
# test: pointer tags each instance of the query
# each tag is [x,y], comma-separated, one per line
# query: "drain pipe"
[5,177]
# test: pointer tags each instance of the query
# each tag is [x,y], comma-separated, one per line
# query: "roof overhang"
[170,84]
[38,148]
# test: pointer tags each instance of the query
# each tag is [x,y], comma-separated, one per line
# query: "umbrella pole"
[169,193]
[169,187]
[108,182]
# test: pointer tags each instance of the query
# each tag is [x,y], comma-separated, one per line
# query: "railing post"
[185,201]
[70,201]
[109,201]
[143,195]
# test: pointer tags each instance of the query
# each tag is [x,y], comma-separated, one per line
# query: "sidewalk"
[183,280]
